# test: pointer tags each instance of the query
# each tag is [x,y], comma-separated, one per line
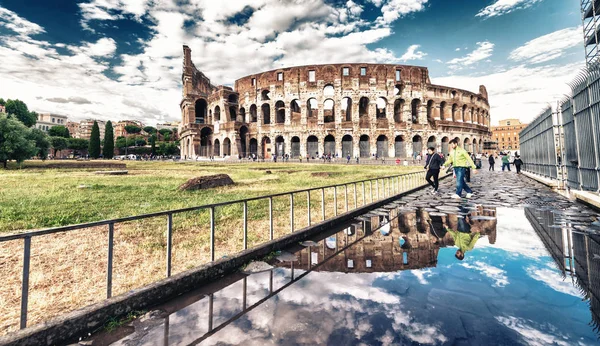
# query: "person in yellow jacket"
[464,241]
[461,161]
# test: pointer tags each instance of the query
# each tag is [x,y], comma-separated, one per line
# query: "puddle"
[397,279]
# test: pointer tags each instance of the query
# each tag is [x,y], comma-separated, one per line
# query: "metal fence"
[578,119]
[538,150]
[369,191]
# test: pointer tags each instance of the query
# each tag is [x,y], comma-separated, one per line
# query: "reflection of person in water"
[465,241]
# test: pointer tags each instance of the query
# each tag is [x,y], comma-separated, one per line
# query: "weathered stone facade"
[344,109]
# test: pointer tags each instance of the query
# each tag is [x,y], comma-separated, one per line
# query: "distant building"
[2,109]
[74,129]
[85,128]
[170,126]
[119,127]
[46,121]
[506,134]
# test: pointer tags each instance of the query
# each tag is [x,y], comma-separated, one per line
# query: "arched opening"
[328,90]
[232,113]
[417,145]
[295,147]
[363,107]
[382,146]
[443,110]
[473,113]
[279,112]
[399,147]
[415,106]
[364,146]
[210,116]
[253,114]
[454,107]
[217,113]
[205,142]
[467,145]
[445,148]
[328,111]
[347,146]
[253,147]
[347,109]
[431,142]
[200,108]
[217,148]
[329,145]
[243,135]
[475,146]
[312,146]
[398,110]
[312,108]
[265,95]
[398,89]
[295,111]
[226,147]
[232,98]
[381,105]
[465,117]
[279,146]
[430,111]
[266,113]
[266,147]
[243,115]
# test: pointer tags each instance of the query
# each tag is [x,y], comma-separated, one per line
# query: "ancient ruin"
[353,109]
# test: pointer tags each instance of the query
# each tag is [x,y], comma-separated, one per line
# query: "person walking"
[492,162]
[432,165]
[460,160]
[505,162]
[518,163]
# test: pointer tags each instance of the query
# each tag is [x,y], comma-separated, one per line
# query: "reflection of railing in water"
[580,253]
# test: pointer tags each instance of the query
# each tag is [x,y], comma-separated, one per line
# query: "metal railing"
[371,190]
[538,150]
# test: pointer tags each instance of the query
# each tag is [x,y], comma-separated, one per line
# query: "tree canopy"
[42,143]
[77,144]
[2,102]
[108,150]
[94,147]
[59,131]
[19,110]
[149,129]
[59,143]
[165,131]
[131,129]
[15,141]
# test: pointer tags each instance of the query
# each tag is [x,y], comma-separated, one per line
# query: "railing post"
[371,189]
[271,218]
[308,203]
[291,213]
[377,187]
[25,282]
[169,242]
[346,196]
[355,201]
[364,193]
[109,262]
[335,201]
[323,203]
[245,225]
[212,234]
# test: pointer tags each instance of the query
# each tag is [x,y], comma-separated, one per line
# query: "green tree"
[108,150]
[78,144]
[149,129]
[152,140]
[42,143]
[140,142]
[59,143]
[59,131]
[18,109]
[15,141]
[165,131]
[2,102]
[132,129]
[94,147]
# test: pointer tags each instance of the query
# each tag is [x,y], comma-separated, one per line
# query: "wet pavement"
[530,275]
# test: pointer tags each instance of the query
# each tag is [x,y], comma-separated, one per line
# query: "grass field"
[68,270]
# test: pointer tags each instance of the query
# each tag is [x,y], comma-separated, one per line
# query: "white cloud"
[494,273]
[12,21]
[483,51]
[548,47]
[413,54]
[553,280]
[502,7]
[532,335]
[391,10]
[457,50]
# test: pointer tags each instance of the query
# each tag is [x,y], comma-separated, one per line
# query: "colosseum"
[361,110]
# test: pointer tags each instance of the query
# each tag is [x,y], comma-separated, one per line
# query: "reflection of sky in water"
[506,293]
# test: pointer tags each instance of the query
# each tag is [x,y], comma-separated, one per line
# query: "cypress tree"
[109,141]
[94,147]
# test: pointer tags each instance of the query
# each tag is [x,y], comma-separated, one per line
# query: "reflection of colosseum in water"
[344,109]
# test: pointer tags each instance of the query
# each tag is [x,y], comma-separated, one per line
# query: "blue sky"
[121,59]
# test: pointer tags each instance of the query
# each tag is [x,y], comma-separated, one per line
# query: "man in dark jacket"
[492,162]
[432,165]
[518,163]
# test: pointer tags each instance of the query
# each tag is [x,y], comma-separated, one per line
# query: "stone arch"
[415,108]
[398,89]
[279,112]
[217,148]
[266,147]
[381,105]
[454,108]
[205,141]
[312,108]
[467,144]
[217,113]
[232,113]
[431,142]
[443,110]
[226,147]
[445,148]
[295,111]
[253,113]
[264,95]
[382,146]
[312,146]
[465,116]
[363,107]
[430,106]
[346,109]
[347,146]
[243,115]
[295,147]
[232,98]
[364,146]
[328,90]
[399,147]
[329,145]
[473,113]
[253,146]
[243,137]
[398,110]
[475,145]
[200,109]
[266,113]
[279,146]
[417,145]
[328,111]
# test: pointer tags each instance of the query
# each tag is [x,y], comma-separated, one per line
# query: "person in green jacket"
[505,162]
[461,161]
[464,241]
